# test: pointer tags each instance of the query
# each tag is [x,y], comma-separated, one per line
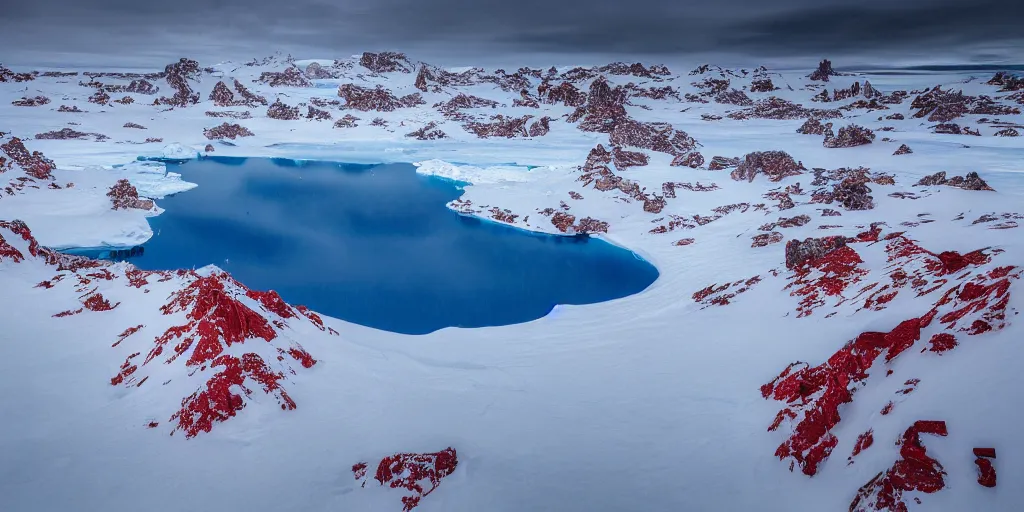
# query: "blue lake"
[376,245]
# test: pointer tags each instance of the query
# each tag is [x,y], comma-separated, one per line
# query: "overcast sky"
[456,32]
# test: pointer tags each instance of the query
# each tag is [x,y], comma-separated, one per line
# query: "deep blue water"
[375,245]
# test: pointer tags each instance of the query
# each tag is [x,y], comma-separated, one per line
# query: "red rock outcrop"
[780,109]
[801,252]
[418,473]
[540,127]
[849,136]
[6,75]
[386,62]
[903,150]
[349,121]
[914,471]
[734,97]
[813,127]
[177,76]
[290,77]
[823,72]
[1007,132]
[227,131]
[124,196]
[762,85]
[430,131]
[944,106]
[955,129]
[970,181]
[499,126]
[604,109]
[35,164]
[281,111]
[34,101]
[378,98]
[660,137]
[692,160]
[70,134]
[624,159]
[775,165]
[317,114]
[564,93]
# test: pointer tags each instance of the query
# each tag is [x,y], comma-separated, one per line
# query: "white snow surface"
[648,402]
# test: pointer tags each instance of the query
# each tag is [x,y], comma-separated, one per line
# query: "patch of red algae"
[213,315]
[218,402]
[96,302]
[420,473]
[272,302]
[864,441]
[941,342]
[302,357]
[826,276]
[35,164]
[986,473]
[988,294]
[914,471]
[127,332]
[715,295]
[813,394]
[8,251]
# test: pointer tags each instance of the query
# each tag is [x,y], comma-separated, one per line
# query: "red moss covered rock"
[6,75]
[1007,132]
[719,163]
[903,150]
[801,252]
[914,471]
[35,164]
[227,131]
[123,196]
[418,473]
[780,109]
[692,160]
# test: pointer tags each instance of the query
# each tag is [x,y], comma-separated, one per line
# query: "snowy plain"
[648,402]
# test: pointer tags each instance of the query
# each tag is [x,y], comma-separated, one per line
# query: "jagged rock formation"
[776,165]
[849,136]
[970,181]
[378,98]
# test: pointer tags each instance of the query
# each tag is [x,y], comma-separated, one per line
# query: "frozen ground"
[188,391]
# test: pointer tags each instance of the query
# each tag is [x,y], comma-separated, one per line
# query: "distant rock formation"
[823,72]
[970,181]
[226,131]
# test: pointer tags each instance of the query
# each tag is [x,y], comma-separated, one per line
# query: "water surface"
[375,245]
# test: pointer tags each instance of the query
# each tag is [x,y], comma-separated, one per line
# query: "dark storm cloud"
[426,28]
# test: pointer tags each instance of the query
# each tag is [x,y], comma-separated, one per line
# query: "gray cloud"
[138,31]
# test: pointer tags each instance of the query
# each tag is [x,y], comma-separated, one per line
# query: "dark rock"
[227,131]
[290,77]
[813,127]
[800,252]
[280,111]
[776,165]
[849,136]
[540,127]
[823,72]
[903,150]
[386,62]
[430,131]
[378,99]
